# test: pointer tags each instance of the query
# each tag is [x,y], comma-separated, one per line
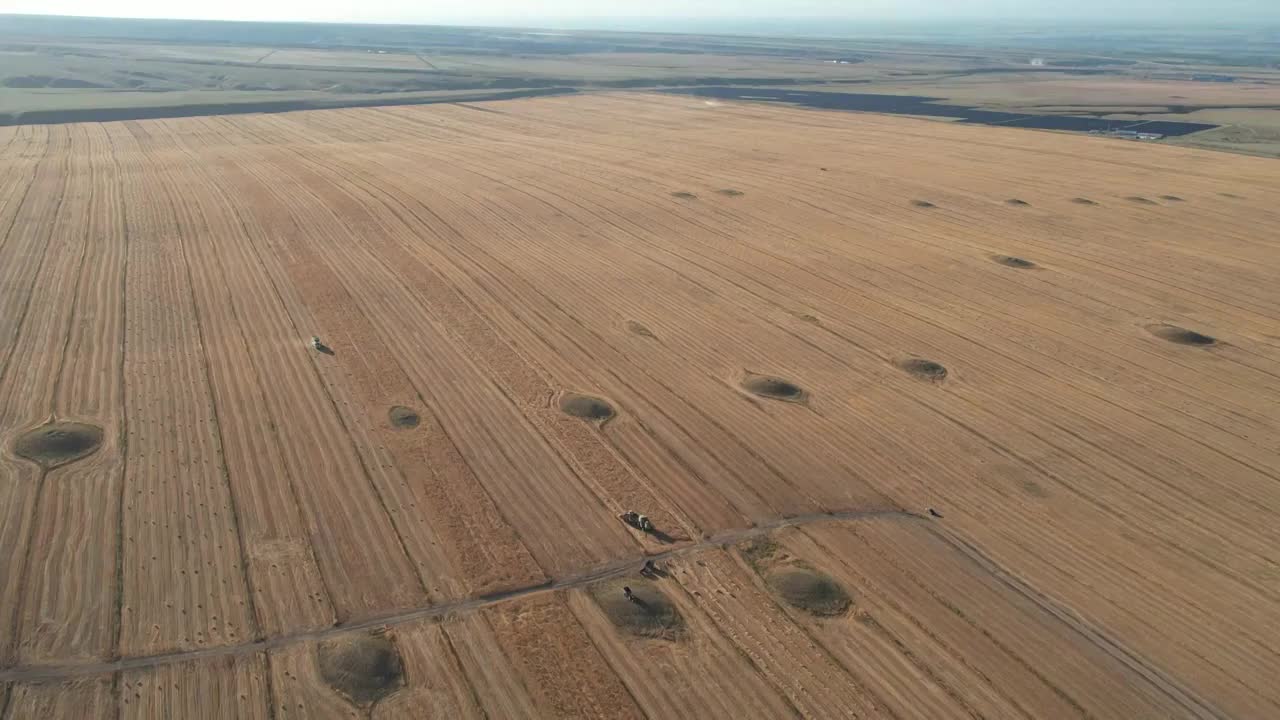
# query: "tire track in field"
[118,500]
[567,169]
[68,611]
[1088,542]
[1156,676]
[522,296]
[387,582]
[478,276]
[15,200]
[489,263]
[474,399]
[635,180]
[192,223]
[986,436]
[471,287]
[586,450]
[318,504]
[501,285]
[998,304]
[801,183]
[219,421]
[1150,475]
[32,264]
[582,578]
[37,342]
[1147,474]
[964,668]
[287,579]
[1003,177]
[439,479]
[961,230]
[11,135]
[183,580]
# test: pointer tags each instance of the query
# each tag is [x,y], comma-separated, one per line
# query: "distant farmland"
[931,420]
[930,107]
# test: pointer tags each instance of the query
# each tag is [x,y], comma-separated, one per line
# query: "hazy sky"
[532,11]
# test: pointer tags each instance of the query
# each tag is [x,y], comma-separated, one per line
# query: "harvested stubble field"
[911,450]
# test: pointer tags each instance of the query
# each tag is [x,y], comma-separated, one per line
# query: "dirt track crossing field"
[783,335]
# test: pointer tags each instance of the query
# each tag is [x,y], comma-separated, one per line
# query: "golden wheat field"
[931,420]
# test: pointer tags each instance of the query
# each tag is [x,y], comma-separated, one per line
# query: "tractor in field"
[638,521]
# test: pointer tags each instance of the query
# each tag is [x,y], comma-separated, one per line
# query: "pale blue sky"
[533,11]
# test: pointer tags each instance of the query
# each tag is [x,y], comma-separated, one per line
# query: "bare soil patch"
[1034,489]
[403,417]
[58,443]
[638,328]
[795,581]
[773,388]
[365,668]
[809,590]
[1182,336]
[924,369]
[586,407]
[648,614]
[1014,262]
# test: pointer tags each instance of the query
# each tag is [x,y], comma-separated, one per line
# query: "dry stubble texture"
[1091,413]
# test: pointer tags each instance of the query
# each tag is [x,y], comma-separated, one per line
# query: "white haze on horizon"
[704,14]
